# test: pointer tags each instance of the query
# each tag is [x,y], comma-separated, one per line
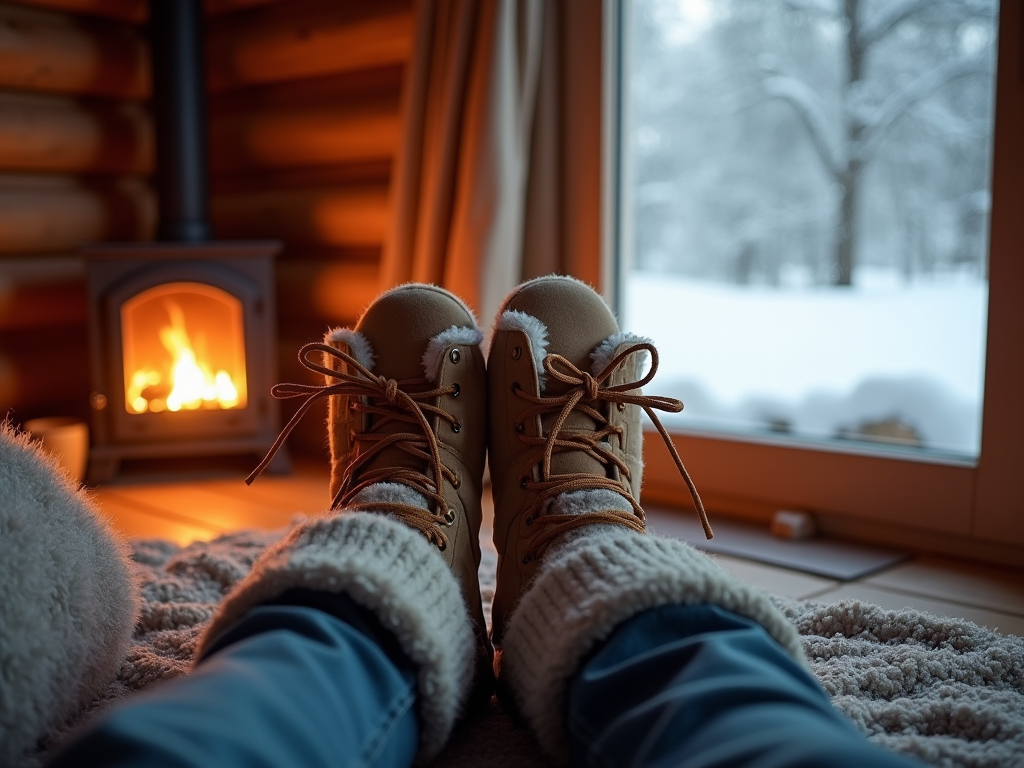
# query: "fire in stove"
[182,332]
[183,349]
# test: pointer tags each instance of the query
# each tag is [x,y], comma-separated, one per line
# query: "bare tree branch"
[898,103]
[985,9]
[808,107]
[886,19]
[815,7]
[952,127]
[891,15]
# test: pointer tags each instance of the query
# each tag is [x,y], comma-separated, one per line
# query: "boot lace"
[585,395]
[388,400]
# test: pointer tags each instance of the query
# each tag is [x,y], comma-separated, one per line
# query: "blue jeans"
[312,680]
[699,686]
[318,682]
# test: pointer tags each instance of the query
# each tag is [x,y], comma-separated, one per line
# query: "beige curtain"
[562,225]
[494,183]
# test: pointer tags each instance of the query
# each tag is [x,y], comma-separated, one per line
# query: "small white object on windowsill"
[793,525]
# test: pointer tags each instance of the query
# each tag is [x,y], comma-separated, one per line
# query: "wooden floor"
[199,509]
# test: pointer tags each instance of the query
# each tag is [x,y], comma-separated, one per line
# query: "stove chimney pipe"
[179,112]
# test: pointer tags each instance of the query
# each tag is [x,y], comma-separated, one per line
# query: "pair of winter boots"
[556,409]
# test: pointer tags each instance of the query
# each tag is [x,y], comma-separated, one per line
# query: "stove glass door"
[184,349]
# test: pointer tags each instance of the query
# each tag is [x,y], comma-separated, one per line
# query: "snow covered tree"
[773,135]
[846,148]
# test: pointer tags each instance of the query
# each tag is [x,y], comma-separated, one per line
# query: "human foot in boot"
[407,426]
[565,451]
[565,441]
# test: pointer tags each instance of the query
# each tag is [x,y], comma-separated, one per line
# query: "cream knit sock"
[590,583]
[393,571]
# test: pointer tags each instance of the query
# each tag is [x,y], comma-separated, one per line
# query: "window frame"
[972,509]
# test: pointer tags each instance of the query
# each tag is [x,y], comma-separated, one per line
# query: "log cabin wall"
[304,123]
[75,160]
[303,106]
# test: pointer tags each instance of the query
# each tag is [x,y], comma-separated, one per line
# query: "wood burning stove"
[182,331]
[182,344]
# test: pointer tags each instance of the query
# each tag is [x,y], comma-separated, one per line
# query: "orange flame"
[191,384]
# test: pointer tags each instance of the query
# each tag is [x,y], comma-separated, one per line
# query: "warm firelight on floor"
[189,383]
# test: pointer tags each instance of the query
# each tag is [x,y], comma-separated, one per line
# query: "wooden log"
[331,292]
[43,50]
[44,372]
[365,172]
[350,254]
[30,300]
[309,123]
[323,216]
[220,7]
[49,214]
[129,11]
[57,133]
[306,38]
[42,305]
[361,85]
[316,134]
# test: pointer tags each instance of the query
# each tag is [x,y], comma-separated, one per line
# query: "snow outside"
[806,198]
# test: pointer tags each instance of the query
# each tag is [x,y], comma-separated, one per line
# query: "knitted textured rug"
[945,690]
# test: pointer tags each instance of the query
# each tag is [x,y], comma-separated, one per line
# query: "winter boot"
[565,425]
[565,451]
[407,431]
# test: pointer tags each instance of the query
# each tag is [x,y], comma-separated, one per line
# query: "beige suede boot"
[407,429]
[425,340]
[565,452]
[565,405]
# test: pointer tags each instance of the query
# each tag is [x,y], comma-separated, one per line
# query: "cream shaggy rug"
[945,690]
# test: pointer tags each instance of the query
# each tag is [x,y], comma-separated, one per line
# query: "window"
[959,484]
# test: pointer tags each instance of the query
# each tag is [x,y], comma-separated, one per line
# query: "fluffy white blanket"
[945,690]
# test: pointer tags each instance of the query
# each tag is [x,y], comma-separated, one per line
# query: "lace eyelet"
[455,355]
[449,518]
[520,428]
[529,520]
[442,546]
[515,387]
[456,482]
[517,352]
[457,427]
[457,391]
[523,481]
[621,406]
[526,559]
